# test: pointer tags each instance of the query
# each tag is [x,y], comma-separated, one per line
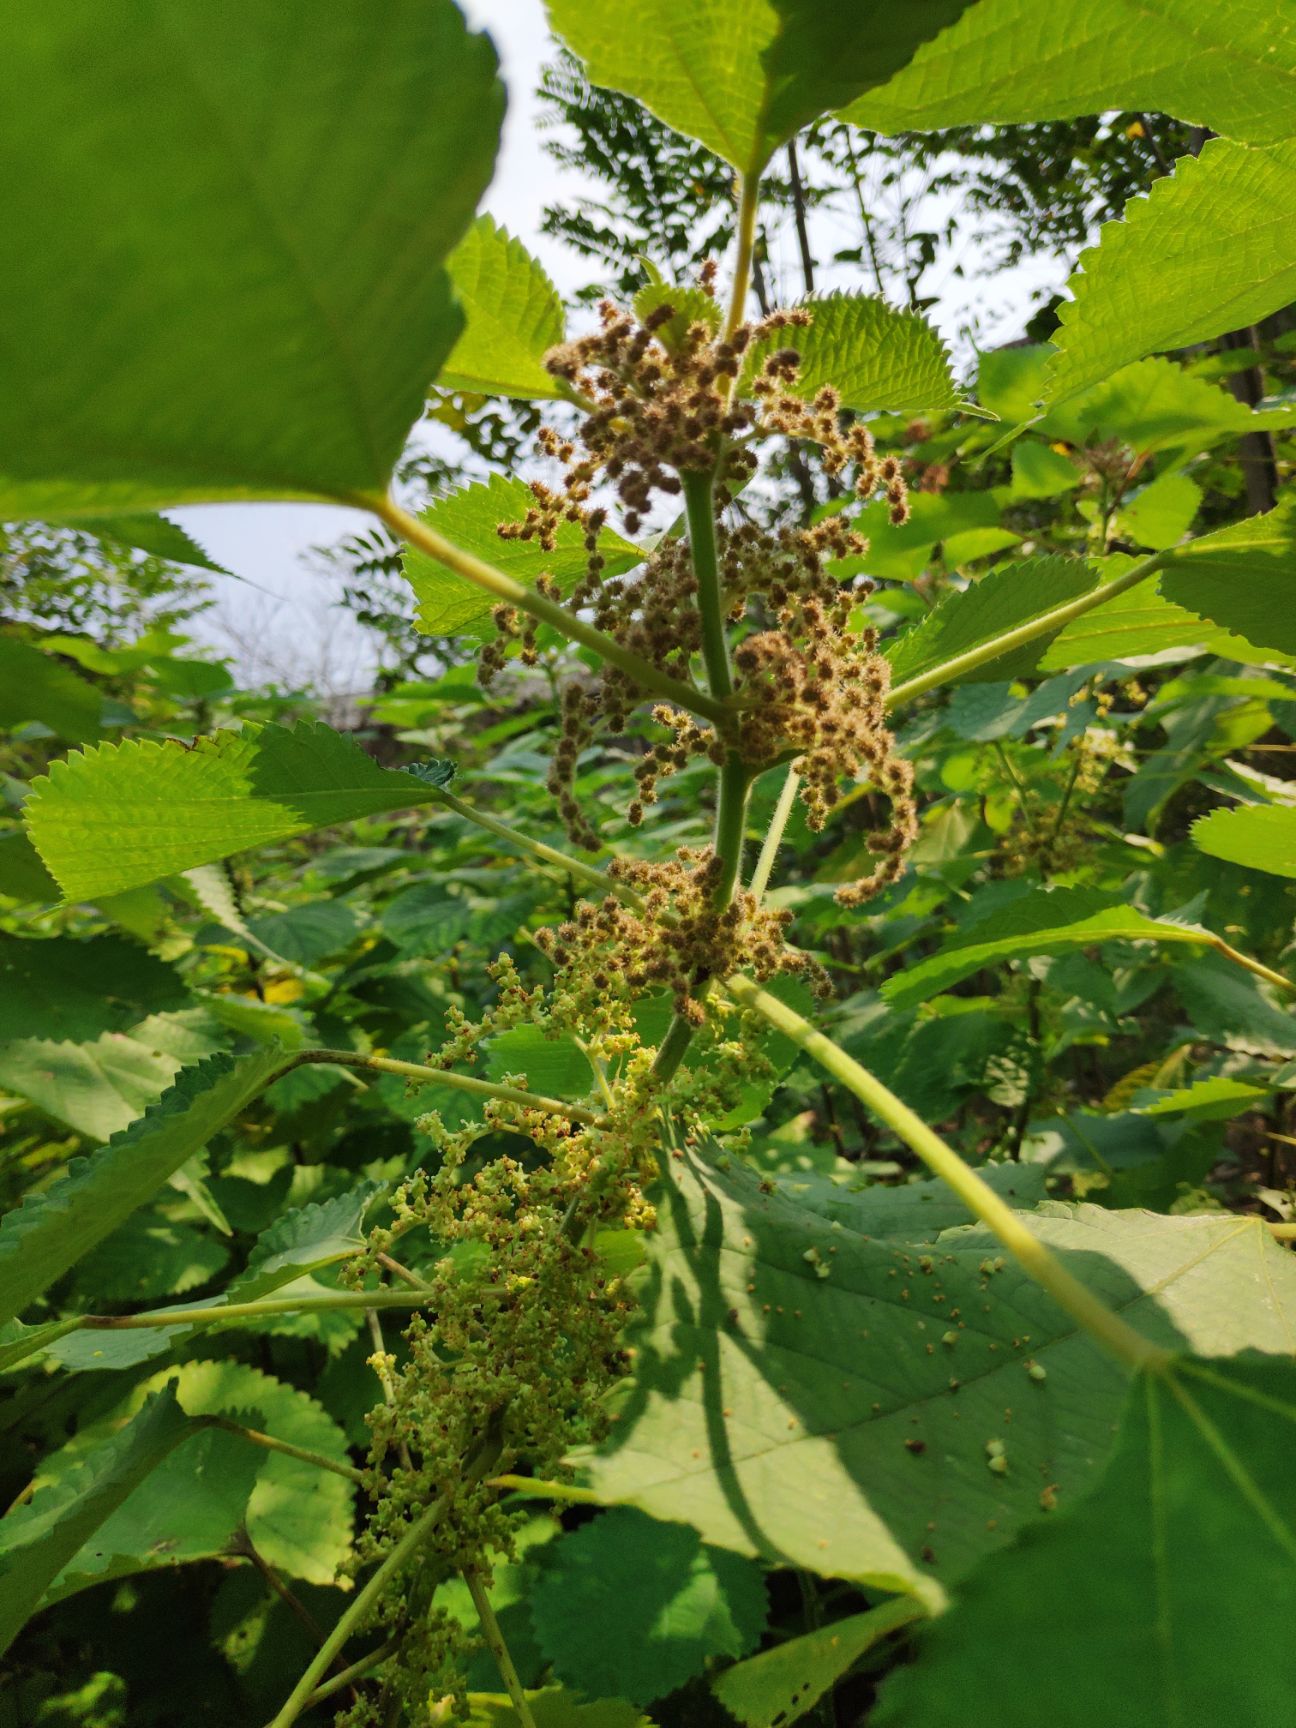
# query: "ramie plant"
[507,1364]
[748,648]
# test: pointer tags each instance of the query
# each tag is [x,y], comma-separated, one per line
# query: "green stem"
[270,1444]
[357,1671]
[734,781]
[1086,1309]
[336,1299]
[547,854]
[569,624]
[748,210]
[730,829]
[774,835]
[699,508]
[497,1646]
[365,1600]
[1043,625]
[443,1077]
[538,1488]
[1258,967]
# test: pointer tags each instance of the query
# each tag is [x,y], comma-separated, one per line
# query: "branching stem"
[774,835]
[271,1444]
[1043,625]
[355,1615]
[512,593]
[442,1076]
[1039,1262]
[748,211]
[496,1644]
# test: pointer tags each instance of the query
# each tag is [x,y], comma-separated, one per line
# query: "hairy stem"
[1039,1262]
[748,210]
[577,867]
[1043,625]
[774,835]
[460,1082]
[1257,967]
[217,1312]
[734,781]
[497,1646]
[357,1671]
[699,506]
[269,1442]
[569,624]
[365,1600]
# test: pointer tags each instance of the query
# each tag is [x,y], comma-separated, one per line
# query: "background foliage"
[1080,980]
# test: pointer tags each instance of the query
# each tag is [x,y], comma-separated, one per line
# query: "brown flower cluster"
[675,938]
[810,687]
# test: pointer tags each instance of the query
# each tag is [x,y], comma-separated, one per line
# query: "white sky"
[282,618]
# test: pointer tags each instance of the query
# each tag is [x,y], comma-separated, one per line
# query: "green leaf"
[689,306]
[125,814]
[783,1685]
[823,1421]
[743,76]
[304,1240]
[1260,836]
[1161,514]
[554,1707]
[52,1229]
[1243,577]
[1044,921]
[306,934]
[22,875]
[965,524]
[298,1516]
[877,357]
[628,1606]
[1003,599]
[557,1067]
[33,686]
[1219,63]
[513,315]
[38,1539]
[152,534]
[1139,622]
[1040,472]
[1132,1608]
[1210,249]
[913,1211]
[1156,405]
[226,280]
[449,606]
[77,987]
[1232,1008]
[100,1088]
[148,1257]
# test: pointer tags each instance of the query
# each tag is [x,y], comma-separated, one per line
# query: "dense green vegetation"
[724,1154]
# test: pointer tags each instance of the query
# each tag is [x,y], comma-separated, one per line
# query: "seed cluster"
[684,937]
[505,1365]
[517,1338]
[662,406]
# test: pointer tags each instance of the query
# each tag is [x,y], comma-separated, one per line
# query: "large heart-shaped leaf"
[805,1393]
[224,234]
[1226,64]
[1163,1598]
[743,76]
[123,815]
